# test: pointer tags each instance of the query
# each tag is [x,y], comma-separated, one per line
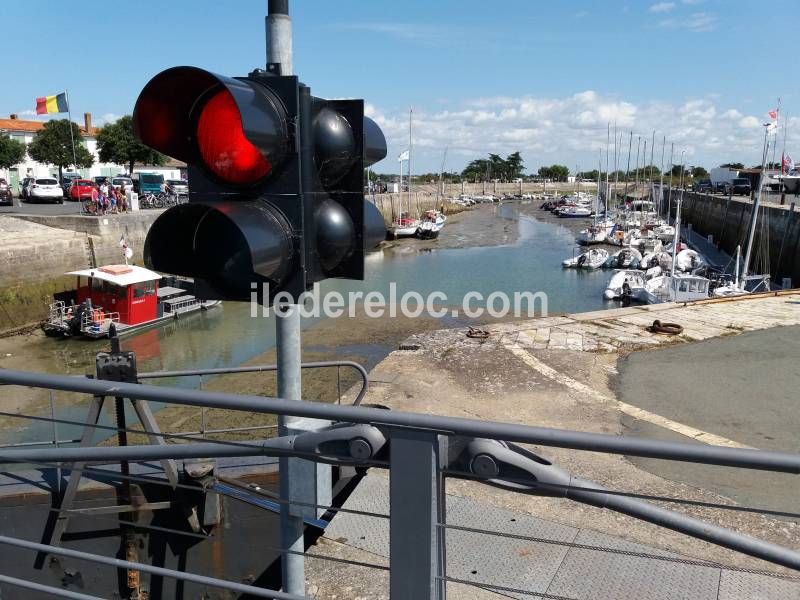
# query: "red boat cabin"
[126,293]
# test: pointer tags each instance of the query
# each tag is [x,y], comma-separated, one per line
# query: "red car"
[81,189]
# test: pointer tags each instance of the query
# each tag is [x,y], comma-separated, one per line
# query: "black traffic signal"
[275,182]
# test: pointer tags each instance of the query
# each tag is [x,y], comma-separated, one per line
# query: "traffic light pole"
[287,325]
[288,346]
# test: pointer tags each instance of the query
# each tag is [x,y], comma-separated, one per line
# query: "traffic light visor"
[236,129]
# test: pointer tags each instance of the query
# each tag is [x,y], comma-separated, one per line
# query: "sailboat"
[674,286]
[405,225]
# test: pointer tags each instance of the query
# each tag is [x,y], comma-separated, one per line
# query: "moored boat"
[125,296]
[593,259]
[432,223]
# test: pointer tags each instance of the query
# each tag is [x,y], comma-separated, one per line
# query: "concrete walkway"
[556,559]
[561,372]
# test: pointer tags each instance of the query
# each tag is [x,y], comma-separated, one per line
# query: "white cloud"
[698,22]
[569,129]
[581,14]
[749,123]
[661,7]
[106,119]
[422,33]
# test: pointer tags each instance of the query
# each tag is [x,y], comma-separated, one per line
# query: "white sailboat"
[405,225]
[675,287]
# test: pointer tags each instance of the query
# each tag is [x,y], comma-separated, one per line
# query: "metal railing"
[419,450]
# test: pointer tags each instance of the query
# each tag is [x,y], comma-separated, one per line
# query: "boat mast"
[439,190]
[752,230]
[661,181]
[676,238]
[736,268]
[616,156]
[608,138]
[410,149]
[628,168]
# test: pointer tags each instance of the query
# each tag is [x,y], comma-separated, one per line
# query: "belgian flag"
[52,104]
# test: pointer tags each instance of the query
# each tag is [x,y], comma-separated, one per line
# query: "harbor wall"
[37,250]
[776,243]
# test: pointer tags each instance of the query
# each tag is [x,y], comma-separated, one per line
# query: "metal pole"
[287,326]
[416,497]
[279,36]
[71,135]
[754,217]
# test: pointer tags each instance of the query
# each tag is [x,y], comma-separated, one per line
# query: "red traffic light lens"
[223,146]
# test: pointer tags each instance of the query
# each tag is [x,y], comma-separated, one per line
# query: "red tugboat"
[126,295]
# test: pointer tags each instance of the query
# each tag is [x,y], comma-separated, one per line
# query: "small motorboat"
[623,284]
[688,260]
[573,211]
[593,259]
[627,258]
[432,223]
[656,259]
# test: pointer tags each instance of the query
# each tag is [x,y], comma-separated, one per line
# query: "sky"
[540,77]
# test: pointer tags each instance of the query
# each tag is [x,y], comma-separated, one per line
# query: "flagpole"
[71,135]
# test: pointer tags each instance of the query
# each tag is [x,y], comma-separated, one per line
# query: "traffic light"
[275,182]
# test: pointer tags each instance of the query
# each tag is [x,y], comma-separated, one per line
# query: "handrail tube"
[763,460]
[125,564]
[265,368]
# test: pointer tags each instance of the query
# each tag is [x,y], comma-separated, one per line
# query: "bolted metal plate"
[549,568]
[737,585]
[593,574]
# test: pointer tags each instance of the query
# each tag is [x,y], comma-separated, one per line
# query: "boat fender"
[666,328]
[581,260]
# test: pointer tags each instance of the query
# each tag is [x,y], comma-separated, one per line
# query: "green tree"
[12,152]
[514,165]
[476,170]
[52,145]
[554,172]
[736,165]
[117,144]
[699,173]
[498,167]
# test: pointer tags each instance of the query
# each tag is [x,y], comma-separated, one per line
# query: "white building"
[23,131]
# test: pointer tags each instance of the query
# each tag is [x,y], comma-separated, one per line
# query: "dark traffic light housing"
[275,179]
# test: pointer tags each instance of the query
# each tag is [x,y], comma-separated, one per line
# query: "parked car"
[6,197]
[741,185]
[23,187]
[66,181]
[144,183]
[81,189]
[703,186]
[100,180]
[46,189]
[119,181]
[722,187]
[178,187]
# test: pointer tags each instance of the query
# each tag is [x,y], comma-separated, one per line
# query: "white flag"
[403,155]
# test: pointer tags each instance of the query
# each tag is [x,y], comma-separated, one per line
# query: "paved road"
[741,387]
[28,208]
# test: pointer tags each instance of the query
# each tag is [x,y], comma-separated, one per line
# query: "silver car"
[46,189]
[177,187]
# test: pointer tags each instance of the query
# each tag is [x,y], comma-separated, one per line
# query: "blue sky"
[540,77]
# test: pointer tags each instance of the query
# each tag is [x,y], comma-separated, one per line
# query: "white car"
[45,189]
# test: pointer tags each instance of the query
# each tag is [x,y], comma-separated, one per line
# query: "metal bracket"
[342,444]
